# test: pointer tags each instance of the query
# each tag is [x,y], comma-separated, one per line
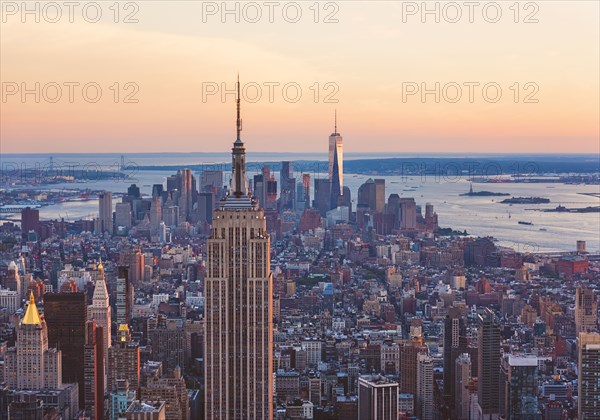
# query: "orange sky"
[371,55]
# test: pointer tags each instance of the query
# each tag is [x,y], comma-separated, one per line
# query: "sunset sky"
[370,54]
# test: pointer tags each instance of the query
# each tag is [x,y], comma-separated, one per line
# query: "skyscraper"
[186,189]
[518,388]
[135,262]
[155,214]
[31,364]
[105,216]
[408,214]
[586,310]
[588,382]
[66,318]
[377,398]
[239,306]
[488,364]
[288,185]
[99,311]
[12,280]
[30,221]
[123,361]
[336,166]
[94,371]
[424,397]
[306,188]
[123,215]
[371,195]
[462,376]
[322,200]
[168,341]
[454,344]
[124,293]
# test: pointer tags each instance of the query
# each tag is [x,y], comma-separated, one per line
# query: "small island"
[472,193]
[563,209]
[526,200]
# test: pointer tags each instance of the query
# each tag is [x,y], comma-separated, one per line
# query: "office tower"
[322,200]
[171,389]
[300,204]
[377,398]
[100,310]
[171,215]
[409,352]
[462,379]
[124,294]
[424,396]
[105,218]
[155,214]
[31,364]
[123,215]
[454,344]
[488,364]
[205,206]
[123,361]
[13,280]
[211,181]
[371,195]
[586,310]
[133,191]
[157,190]
[259,189]
[588,382]
[30,221]
[162,233]
[288,186]
[518,388]
[408,214]
[146,410]
[168,341]
[306,188]
[393,207]
[336,166]
[186,190]
[239,306]
[66,317]
[287,171]
[379,195]
[135,262]
[269,201]
[93,362]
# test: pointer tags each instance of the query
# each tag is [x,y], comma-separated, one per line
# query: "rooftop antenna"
[239,118]
[335,121]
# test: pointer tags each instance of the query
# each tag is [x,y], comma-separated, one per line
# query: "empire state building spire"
[238,192]
[239,118]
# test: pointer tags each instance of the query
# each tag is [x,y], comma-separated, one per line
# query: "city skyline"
[404,227]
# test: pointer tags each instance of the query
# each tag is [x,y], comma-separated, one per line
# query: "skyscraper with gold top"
[31,365]
[100,311]
[239,306]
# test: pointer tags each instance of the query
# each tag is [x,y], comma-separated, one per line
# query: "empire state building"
[239,305]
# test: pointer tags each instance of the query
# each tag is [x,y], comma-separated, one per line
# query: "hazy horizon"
[167,81]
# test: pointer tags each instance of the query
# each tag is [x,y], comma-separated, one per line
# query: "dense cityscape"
[262,299]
